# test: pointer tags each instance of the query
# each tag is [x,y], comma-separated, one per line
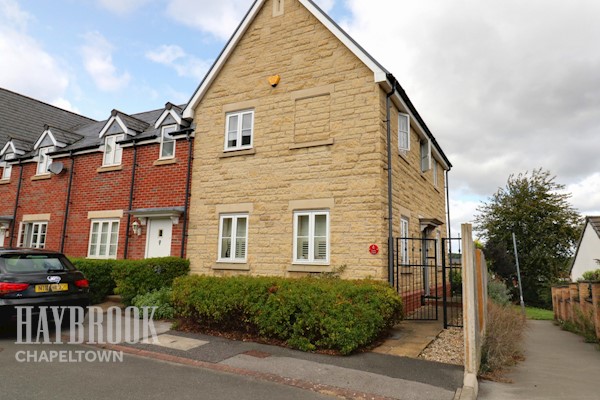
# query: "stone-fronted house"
[294,124]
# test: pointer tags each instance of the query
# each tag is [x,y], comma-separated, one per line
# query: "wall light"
[136,228]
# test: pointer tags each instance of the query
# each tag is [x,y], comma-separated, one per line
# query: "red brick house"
[99,189]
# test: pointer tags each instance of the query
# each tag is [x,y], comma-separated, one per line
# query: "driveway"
[558,365]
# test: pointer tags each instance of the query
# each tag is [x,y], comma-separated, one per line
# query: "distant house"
[99,189]
[294,126]
[588,249]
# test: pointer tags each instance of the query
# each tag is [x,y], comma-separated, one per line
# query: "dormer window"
[167,143]
[113,152]
[43,160]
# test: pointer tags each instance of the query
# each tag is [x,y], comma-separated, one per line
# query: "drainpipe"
[64,229]
[187,196]
[130,199]
[14,222]
[448,211]
[389,176]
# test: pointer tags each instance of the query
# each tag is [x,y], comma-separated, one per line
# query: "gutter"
[389,181]
[12,230]
[184,233]
[68,203]
[131,187]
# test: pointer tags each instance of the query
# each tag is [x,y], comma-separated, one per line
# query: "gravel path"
[447,348]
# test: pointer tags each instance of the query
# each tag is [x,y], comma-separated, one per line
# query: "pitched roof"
[595,223]
[23,119]
[380,74]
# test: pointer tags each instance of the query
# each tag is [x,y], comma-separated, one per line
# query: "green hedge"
[307,314]
[135,277]
[99,274]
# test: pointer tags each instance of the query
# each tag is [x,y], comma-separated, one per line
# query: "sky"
[506,86]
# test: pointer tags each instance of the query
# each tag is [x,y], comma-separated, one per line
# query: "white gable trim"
[48,132]
[8,145]
[110,122]
[164,115]
[379,75]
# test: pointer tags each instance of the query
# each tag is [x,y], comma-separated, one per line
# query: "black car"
[34,277]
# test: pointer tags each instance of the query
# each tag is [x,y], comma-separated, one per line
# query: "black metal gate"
[428,275]
[452,282]
[417,276]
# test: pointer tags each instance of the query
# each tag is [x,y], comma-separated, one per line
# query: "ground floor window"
[33,234]
[311,237]
[233,237]
[104,238]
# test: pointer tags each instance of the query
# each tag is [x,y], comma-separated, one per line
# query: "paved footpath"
[558,365]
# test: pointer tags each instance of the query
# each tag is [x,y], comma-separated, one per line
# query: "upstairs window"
[33,234]
[43,160]
[113,153]
[6,171]
[239,130]
[167,143]
[403,132]
[311,237]
[425,155]
[233,238]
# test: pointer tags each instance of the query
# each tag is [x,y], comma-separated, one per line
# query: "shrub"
[161,299]
[99,274]
[498,292]
[502,342]
[307,313]
[134,277]
[455,281]
[591,275]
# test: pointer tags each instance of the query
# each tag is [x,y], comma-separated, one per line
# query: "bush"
[161,299]
[498,292]
[591,275]
[99,274]
[502,342]
[306,314]
[135,277]
[455,281]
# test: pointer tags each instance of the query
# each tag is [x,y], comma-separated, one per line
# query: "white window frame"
[238,130]
[38,228]
[435,166]
[166,130]
[404,234]
[311,237]
[6,171]
[425,155]
[234,238]
[100,222]
[43,161]
[403,134]
[115,157]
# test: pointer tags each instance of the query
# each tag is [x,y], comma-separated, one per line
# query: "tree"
[546,226]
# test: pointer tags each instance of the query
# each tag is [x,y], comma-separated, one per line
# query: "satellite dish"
[56,167]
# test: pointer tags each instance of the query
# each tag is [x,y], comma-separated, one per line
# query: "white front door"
[158,243]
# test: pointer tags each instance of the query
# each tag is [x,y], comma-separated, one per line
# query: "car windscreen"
[33,263]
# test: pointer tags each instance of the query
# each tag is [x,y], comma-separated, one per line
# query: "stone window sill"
[231,266]
[4,181]
[227,154]
[316,143]
[109,168]
[41,177]
[165,161]
[309,268]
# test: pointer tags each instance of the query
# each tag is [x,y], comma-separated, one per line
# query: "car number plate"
[53,287]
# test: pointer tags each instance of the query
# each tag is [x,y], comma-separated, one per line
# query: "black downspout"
[389,173]
[64,230]
[14,221]
[134,165]
[448,206]
[187,196]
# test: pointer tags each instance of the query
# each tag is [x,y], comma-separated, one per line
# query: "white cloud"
[586,194]
[506,86]
[175,57]
[25,65]
[98,62]
[122,7]
[218,18]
